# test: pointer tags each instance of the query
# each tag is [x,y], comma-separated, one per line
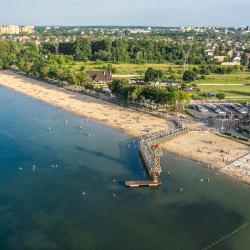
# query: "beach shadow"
[100,155]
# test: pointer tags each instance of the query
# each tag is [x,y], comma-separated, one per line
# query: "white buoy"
[20,169]
[33,167]
[83,193]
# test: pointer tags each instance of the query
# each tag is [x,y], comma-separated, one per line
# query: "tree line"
[170,98]
[137,50]
[31,59]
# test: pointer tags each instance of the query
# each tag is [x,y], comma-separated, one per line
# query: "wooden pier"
[136,184]
[150,153]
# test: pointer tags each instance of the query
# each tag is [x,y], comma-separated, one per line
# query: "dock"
[135,184]
[151,153]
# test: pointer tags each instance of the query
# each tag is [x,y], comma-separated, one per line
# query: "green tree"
[28,57]
[189,76]
[244,59]
[220,96]
[117,85]
[152,75]
[82,49]
[120,50]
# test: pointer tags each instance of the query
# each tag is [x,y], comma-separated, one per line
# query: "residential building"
[220,58]
[15,30]
[26,29]
[99,75]
[9,29]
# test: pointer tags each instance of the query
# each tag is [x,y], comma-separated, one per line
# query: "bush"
[189,76]
[220,96]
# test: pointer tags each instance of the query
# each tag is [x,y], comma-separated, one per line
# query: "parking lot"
[219,110]
[224,117]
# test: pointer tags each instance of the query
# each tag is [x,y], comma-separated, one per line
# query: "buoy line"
[36,136]
[225,237]
[8,135]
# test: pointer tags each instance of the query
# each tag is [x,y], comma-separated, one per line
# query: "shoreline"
[132,122]
[212,150]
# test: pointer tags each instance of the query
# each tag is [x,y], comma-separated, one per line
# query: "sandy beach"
[210,149]
[132,122]
[213,151]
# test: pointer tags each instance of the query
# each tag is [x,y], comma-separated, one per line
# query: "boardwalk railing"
[150,152]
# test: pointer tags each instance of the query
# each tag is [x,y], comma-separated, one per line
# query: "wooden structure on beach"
[151,153]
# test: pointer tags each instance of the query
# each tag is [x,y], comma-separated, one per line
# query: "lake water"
[63,190]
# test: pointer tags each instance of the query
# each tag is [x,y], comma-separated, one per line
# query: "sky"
[126,12]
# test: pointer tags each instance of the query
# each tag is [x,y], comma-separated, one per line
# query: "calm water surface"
[57,189]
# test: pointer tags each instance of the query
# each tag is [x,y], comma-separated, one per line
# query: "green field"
[233,78]
[233,85]
[129,69]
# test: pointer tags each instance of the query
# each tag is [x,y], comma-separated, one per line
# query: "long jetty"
[150,153]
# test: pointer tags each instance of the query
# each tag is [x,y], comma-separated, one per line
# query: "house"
[210,53]
[220,58]
[99,75]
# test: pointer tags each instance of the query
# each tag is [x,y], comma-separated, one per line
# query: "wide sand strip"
[214,151]
[132,122]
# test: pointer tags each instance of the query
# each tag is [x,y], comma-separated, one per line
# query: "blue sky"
[126,12]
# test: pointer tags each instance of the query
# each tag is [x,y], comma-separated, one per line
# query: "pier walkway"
[151,153]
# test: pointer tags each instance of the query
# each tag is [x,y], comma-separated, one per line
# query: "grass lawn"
[129,69]
[234,78]
[233,85]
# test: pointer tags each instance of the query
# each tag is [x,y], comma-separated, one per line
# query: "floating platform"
[137,184]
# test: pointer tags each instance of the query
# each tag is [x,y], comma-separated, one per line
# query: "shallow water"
[63,189]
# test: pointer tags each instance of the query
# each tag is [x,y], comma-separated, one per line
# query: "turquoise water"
[63,189]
